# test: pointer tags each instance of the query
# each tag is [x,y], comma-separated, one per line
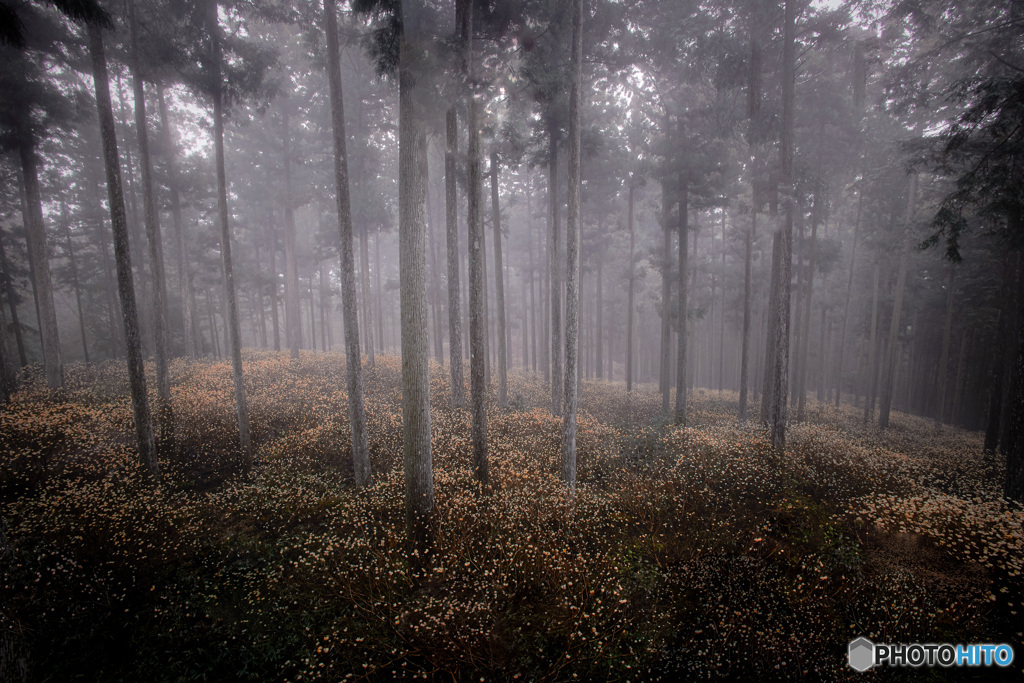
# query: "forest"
[509,339]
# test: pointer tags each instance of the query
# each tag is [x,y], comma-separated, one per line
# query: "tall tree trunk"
[412,160]
[499,286]
[477,302]
[349,302]
[119,221]
[849,290]
[897,308]
[185,289]
[721,318]
[870,383]
[630,313]
[69,250]
[435,277]
[1004,335]
[683,226]
[805,339]
[12,304]
[572,254]
[292,313]
[274,289]
[665,364]
[599,326]
[533,273]
[947,333]
[7,378]
[154,239]
[554,253]
[779,366]
[241,407]
[39,257]
[748,248]
[452,239]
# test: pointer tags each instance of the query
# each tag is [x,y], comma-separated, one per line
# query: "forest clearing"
[683,551]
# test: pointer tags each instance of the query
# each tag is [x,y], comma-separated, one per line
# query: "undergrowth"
[685,552]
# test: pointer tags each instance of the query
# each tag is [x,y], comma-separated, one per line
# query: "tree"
[477,300]
[777,367]
[572,254]
[119,222]
[217,93]
[153,237]
[353,359]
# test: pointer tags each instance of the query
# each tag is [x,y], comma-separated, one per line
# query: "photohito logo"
[863,654]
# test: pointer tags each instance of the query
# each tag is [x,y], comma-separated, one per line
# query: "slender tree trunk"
[499,286]
[683,226]
[12,304]
[849,290]
[572,252]
[136,374]
[418,466]
[477,301]
[947,333]
[599,327]
[997,384]
[435,277]
[664,378]
[39,258]
[630,306]
[7,377]
[185,289]
[69,249]
[274,289]
[805,339]
[379,291]
[350,304]
[292,314]
[748,248]
[154,239]
[452,237]
[721,318]
[241,407]
[870,383]
[897,309]
[556,278]
[779,366]
[533,272]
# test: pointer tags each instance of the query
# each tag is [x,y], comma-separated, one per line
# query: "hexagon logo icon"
[861,654]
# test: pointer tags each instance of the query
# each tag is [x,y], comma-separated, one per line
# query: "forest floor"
[685,552]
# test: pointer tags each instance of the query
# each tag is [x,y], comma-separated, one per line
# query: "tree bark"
[849,290]
[630,313]
[683,226]
[897,308]
[477,302]
[19,339]
[572,253]
[241,407]
[947,333]
[779,367]
[69,250]
[499,286]
[185,289]
[39,258]
[748,248]
[452,238]
[154,239]
[415,342]
[555,278]
[292,313]
[350,304]
[119,222]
